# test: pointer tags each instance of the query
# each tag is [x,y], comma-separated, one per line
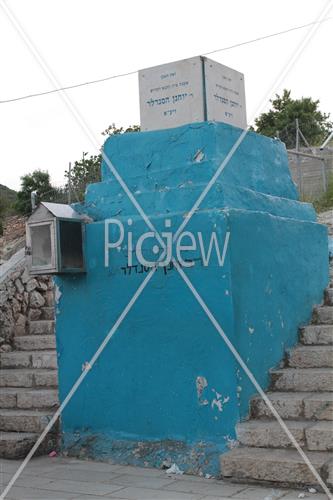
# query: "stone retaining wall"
[22,298]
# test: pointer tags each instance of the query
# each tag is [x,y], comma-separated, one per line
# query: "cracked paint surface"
[166,387]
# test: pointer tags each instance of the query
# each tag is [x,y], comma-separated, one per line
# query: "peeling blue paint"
[145,401]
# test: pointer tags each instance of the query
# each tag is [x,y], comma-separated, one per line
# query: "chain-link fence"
[311,170]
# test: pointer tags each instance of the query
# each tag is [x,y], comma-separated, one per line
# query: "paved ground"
[64,478]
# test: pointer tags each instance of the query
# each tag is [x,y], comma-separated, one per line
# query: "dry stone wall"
[23,298]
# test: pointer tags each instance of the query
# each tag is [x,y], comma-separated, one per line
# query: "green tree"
[39,182]
[87,170]
[113,130]
[281,120]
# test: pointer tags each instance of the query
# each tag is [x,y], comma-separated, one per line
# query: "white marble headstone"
[191,90]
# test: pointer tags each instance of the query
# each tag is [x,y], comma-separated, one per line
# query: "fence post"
[33,196]
[298,162]
[69,190]
[324,175]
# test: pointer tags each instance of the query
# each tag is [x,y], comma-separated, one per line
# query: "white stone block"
[191,90]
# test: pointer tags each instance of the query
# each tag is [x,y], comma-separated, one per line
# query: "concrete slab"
[46,478]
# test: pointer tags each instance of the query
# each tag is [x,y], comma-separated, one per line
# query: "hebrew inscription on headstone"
[191,90]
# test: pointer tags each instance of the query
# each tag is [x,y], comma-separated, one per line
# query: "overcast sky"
[90,39]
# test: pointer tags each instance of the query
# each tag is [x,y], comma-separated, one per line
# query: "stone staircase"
[302,393]
[28,389]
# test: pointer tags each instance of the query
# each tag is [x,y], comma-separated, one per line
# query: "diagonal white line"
[250,375]
[78,382]
[85,128]
[74,111]
[278,81]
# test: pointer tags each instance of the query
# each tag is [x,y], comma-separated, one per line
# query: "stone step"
[11,397]
[24,420]
[329,296]
[302,379]
[16,445]
[32,377]
[48,313]
[282,466]
[319,406]
[323,315]
[29,359]
[289,405]
[317,335]
[41,327]
[269,434]
[311,357]
[295,405]
[35,342]
[319,437]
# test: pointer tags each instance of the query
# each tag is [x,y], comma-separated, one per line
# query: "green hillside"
[7,197]
[7,200]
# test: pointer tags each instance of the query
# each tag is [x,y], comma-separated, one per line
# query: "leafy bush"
[325,202]
[39,182]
